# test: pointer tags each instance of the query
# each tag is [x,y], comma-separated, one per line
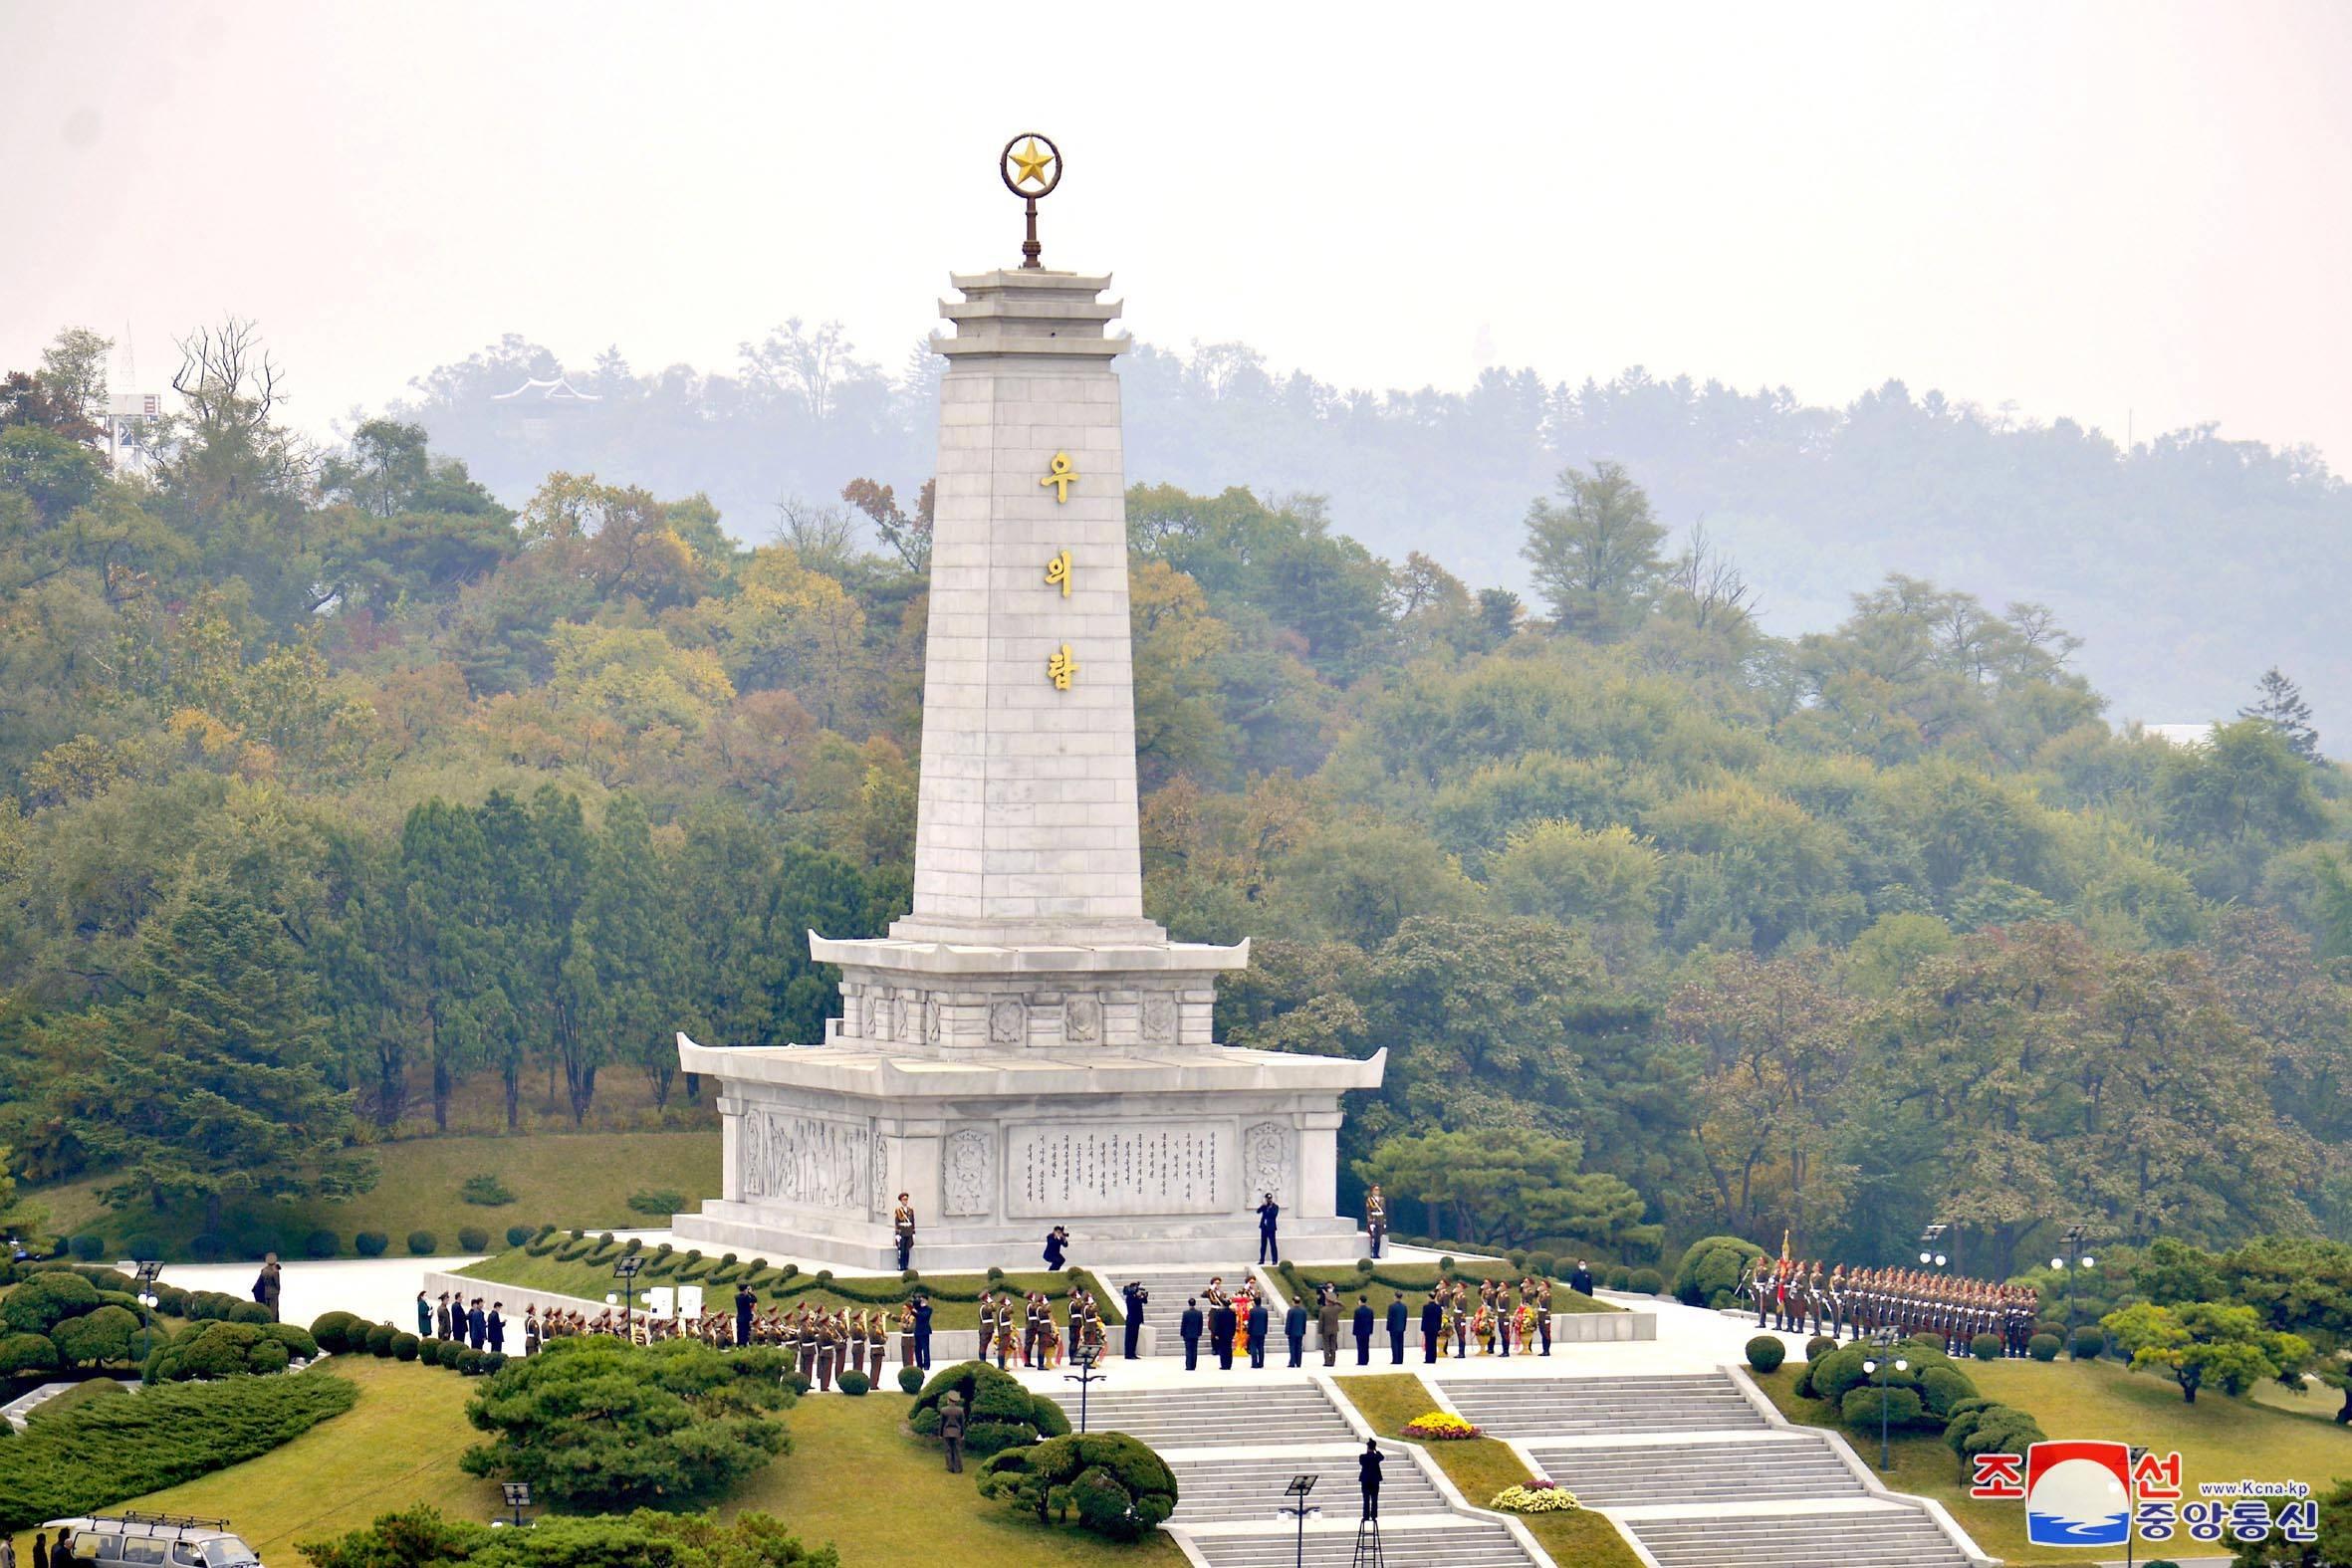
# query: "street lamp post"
[1085,1377]
[149,1270]
[1300,1487]
[626,1269]
[1877,1368]
[1931,1255]
[518,1497]
[2072,1263]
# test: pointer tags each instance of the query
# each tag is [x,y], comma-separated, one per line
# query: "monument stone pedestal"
[1025,1048]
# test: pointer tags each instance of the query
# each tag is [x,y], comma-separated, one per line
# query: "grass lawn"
[856,1478]
[399,1446]
[1483,1466]
[2218,1437]
[562,1179]
[592,1281]
[1414,1280]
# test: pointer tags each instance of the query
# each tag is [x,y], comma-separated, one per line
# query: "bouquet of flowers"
[1535,1496]
[1439,1426]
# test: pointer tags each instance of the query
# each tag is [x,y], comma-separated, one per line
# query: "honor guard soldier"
[1377,1218]
[902,1221]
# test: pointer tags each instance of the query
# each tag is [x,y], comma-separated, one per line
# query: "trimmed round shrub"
[1766,1352]
[984,1437]
[1820,1347]
[378,1341]
[143,1244]
[246,1311]
[1518,1257]
[423,1243]
[405,1347]
[1985,1347]
[1861,1408]
[1618,1278]
[1804,1382]
[1363,1265]
[88,1247]
[1944,1388]
[1709,1273]
[267,1357]
[370,1244]
[2089,1342]
[23,1353]
[516,1234]
[492,1360]
[793,1271]
[910,1380]
[1646,1282]
[1543,1266]
[473,1238]
[320,1243]
[1445,1263]
[47,1299]
[853,1383]
[2042,1347]
[298,1341]
[1116,1486]
[469,1360]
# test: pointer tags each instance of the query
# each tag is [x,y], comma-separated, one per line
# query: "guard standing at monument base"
[1377,1218]
[903,1222]
[1269,1249]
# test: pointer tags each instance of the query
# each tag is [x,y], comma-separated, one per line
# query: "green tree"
[2280,705]
[421,1538]
[2207,1342]
[210,1082]
[1509,1186]
[1595,552]
[592,1423]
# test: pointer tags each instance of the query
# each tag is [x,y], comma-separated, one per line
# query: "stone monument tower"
[1025,1048]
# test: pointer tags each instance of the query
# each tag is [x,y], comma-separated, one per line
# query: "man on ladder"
[1367,1530]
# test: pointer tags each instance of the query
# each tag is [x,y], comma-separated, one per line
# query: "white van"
[163,1540]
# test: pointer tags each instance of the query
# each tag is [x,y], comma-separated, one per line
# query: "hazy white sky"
[2083,209]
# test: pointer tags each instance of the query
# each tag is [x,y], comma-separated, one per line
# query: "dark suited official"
[1367,1476]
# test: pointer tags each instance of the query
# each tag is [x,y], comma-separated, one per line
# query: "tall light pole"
[1930,1254]
[2073,1260]
[625,1270]
[149,1270]
[1876,1367]
[1085,1377]
[1300,1487]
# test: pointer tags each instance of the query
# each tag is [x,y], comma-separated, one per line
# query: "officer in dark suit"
[923,1332]
[477,1327]
[1269,1250]
[1135,1296]
[441,1318]
[745,1300]
[1257,1331]
[1367,1474]
[494,1327]
[1397,1330]
[1581,1280]
[1223,1323]
[1433,1328]
[1363,1331]
[1295,1329]
[1188,1328]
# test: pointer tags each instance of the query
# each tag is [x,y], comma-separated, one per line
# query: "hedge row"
[101,1452]
[208,1247]
[347,1334]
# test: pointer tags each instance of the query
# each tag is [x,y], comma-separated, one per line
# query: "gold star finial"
[1032,163]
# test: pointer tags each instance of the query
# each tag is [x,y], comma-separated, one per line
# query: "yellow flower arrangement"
[1439,1426]
[1539,1497]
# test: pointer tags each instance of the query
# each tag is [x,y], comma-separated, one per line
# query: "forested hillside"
[2189,564]
[332,790]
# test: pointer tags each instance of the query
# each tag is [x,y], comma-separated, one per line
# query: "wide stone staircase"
[1473,1543]
[1248,1487]
[1888,1536]
[1664,1470]
[1553,1406]
[1219,1415]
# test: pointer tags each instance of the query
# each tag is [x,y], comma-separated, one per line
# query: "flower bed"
[1539,1497]
[1436,1425]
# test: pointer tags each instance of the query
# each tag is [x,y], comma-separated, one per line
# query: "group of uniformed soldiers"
[1500,1316]
[1837,1301]
[1025,1325]
[824,1343]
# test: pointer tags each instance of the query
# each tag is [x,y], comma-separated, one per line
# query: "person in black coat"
[745,1302]
[1258,1332]
[1295,1329]
[1057,1248]
[1581,1280]
[1397,1330]
[1367,1476]
[494,1327]
[1269,1249]
[1223,1322]
[1135,1297]
[1433,1329]
[1363,1331]
[441,1318]
[477,1327]
[1188,1328]
[923,1332]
